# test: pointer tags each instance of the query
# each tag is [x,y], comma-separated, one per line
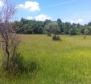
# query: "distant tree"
[53,28]
[38,27]
[47,22]
[66,27]
[85,32]
[75,29]
[89,24]
[60,25]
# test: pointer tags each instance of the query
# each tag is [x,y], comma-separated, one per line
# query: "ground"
[60,62]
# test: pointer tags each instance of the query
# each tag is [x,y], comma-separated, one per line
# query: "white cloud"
[29,17]
[79,20]
[30,5]
[75,20]
[1,3]
[41,17]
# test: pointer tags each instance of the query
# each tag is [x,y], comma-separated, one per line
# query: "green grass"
[61,62]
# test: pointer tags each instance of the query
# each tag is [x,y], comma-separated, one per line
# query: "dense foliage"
[25,26]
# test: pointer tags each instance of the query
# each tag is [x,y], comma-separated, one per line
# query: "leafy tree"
[66,27]
[41,27]
[85,33]
[60,25]
[52,28]
[89,24]
[38,27]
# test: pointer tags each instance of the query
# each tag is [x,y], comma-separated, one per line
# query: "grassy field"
[61,62]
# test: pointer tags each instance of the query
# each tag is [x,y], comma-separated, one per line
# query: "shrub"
[56,37]
[31,67]
[85,36]
[49,34]
[16,64]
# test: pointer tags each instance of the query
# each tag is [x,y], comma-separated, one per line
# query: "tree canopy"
[25,26]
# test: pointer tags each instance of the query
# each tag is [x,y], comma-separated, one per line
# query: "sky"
[74,11]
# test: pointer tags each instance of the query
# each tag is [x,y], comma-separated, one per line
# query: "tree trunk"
[8,56]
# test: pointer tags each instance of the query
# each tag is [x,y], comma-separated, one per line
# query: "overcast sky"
[78,11]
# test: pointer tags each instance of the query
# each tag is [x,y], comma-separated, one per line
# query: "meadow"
[60,62]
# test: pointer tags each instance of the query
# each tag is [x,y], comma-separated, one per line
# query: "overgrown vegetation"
[67,61]
[56,37]
[40,60]
[12,62]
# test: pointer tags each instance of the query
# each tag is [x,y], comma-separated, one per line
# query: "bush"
[16,64]
[31,67]
[56,37]
[49,34]
[85,36]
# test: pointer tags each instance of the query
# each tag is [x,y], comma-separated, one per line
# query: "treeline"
[25,26]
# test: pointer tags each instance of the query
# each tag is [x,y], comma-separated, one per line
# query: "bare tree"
[9,38]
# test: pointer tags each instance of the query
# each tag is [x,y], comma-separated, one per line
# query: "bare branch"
[8,35]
